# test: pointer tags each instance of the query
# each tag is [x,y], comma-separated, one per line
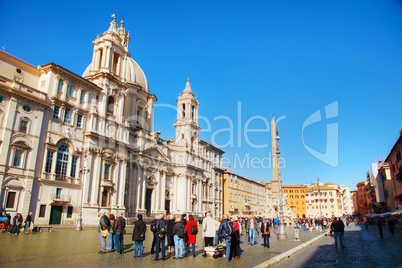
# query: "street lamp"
[84,172]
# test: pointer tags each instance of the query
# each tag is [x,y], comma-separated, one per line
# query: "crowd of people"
[177,235]
[17,224]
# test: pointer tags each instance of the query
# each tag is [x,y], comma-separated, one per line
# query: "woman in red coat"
[191,234]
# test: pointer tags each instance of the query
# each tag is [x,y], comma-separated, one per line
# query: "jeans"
[266,240]
[27,225]
[192,250]
[338,234]
[227,240]
[251,233]
[119,241]
[159,242]
[138,244]
[103,243]
[112,240]
[178,245]
[216,238]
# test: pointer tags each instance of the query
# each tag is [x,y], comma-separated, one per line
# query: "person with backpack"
[224,235]
[161,230]
[191,233]
[179,233]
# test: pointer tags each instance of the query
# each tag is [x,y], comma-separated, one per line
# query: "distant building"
[324,200]
[355,200]
[242,196]
[347,202]
[362,198]
[296,199]
[394,161]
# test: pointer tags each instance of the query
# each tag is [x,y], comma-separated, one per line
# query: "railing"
[61,178]
[60,198]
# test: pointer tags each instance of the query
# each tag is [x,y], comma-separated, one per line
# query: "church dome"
[132,74]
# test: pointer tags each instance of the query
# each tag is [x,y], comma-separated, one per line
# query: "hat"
[184,215]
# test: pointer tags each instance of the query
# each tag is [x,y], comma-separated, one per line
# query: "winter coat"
[140,228]
[209,227]
[160,223]
[104,223]
[265,228]
[222,228]
[120,224]
[112,224]
[337,226]
[255,224]
[178,225]
[191,238]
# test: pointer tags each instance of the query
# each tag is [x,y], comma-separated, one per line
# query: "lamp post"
[84,172]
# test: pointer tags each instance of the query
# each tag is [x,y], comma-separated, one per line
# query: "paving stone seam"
[288,253]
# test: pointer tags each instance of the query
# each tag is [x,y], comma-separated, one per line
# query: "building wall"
[243,196]
[296,199]
[326,196]
[394,160]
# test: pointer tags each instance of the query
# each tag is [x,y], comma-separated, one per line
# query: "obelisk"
[275,159]
[276,187]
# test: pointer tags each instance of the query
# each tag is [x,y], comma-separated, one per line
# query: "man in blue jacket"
[161,228]
[222,233]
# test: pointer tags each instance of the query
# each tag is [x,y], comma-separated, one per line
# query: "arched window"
[110,105]
[62,160]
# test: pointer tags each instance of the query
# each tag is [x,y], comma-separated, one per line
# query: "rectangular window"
[69,212]
[49,161]
[56,110]
[73,166]
[42,211]
[398,156]
[23,126]
[58,193]
[10,199]
[67,115]
[82,96]
[43,83]
[107,171]
[71,90]
[1,99]
[79,120]
[60,85]
[17,157]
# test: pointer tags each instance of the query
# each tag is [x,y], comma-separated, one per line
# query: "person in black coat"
[265,232]
[139,235]
[154,231]
[169,233]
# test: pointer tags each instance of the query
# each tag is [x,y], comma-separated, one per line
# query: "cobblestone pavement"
[66,247]
[364,248]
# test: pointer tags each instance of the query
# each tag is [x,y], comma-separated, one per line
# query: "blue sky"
[248,60]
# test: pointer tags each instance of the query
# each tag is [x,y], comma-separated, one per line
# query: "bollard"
[297,234]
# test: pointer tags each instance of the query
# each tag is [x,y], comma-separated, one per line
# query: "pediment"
[156,152]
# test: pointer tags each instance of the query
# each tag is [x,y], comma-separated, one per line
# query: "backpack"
[193,230]
[230,230]
[180,232]
[162,230]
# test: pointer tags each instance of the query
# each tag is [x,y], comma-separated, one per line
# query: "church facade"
[93,147]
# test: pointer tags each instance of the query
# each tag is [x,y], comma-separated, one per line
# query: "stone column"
[96,169]
[88,176]
[123,175]
[144,187]
[117,182]
[188,179]
[108,57]
[138,189]
[163,191]
[156,197]
[174,192]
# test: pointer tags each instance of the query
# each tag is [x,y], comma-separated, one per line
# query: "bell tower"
[187,128]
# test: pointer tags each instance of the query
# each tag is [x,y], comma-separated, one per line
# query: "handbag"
[105,233]
[267,233]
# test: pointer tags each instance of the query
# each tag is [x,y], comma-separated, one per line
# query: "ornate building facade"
[88,140]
